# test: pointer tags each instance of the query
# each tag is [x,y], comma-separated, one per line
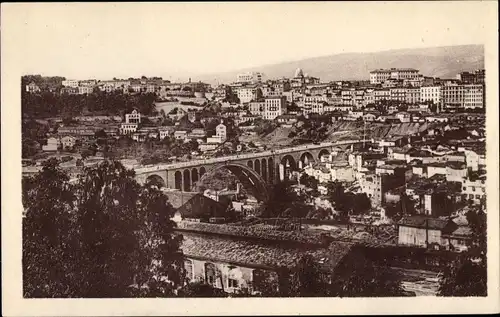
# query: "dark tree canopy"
[105,236]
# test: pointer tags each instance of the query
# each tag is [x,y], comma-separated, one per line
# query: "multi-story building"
[221,131]
[84,90]
[274,107]
[348,97]
[474,189]
[476,77]
[70,83]
[398,94]
[128,128]
[248,93]
[473,96]
[257,108]
[382,94]
[250,77]
[381,75]
[412,95]
[369,97]
[431,93]
[133,117]
[453,96]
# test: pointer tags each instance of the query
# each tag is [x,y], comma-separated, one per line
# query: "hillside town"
[392,169]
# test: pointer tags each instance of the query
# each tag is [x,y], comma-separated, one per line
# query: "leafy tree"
[361,204]
[49,239]
[467,276]
[106,236]
[201,289]
[364,279]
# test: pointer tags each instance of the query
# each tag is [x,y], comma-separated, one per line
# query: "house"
[68,141]
[208,146]
[203,208]
[128,128]
[165,131]
[424,231]
[32,88]
[404,117]
[236,264]
[474,187]
[286,119]
[369,117]
[52,145]
[221,131]
[180,135]
[232,262]
[133,117]
[196,134]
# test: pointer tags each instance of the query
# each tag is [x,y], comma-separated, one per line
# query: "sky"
[106,40]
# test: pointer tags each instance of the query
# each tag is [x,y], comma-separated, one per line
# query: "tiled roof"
[255,254]
[178,198]
[423,222]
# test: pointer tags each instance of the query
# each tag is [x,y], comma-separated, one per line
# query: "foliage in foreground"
[105,236]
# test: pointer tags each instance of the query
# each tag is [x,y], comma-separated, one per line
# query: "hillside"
[443,62]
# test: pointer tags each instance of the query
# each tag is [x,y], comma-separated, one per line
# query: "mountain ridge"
[443,61]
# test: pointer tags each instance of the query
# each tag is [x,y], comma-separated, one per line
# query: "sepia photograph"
[252,151]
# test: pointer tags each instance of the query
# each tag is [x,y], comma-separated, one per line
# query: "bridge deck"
[240,156]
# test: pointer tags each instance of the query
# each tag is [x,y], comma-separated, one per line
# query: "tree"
[106,236]
[467,276]
[201,289]
[364,279]
[361,204]
[49,238]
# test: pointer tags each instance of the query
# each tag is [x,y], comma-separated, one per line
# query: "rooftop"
[420,221]
[255,254]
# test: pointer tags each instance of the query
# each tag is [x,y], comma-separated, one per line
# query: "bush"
[66,158]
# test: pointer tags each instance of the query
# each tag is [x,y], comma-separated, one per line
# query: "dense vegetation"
[105,236]
[50,104]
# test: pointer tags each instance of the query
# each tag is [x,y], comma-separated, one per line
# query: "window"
[188,265]
[473,188]
[232,283]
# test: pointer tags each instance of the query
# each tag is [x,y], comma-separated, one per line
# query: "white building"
[381,75]
[250,77]
[133,117]
[274,107]
[70,83]
[431,93]
[473,96]
[84,90]
[128,128]
[247,94]
[221,131]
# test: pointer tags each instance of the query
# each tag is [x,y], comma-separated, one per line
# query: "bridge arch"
[323,152]
[194,176]
[306,158]
[248,177]
[256,166]
[289,164]
[156,180]
[186,180]
[202,172]
[270,169]
[178,180]
[263,166]
[250,164]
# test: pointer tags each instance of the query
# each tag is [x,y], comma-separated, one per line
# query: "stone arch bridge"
[254,170]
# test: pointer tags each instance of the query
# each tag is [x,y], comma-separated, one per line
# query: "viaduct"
[254,170]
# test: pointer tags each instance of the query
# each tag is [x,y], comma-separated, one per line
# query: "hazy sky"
[132,39]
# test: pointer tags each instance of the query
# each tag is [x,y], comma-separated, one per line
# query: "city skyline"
[237,35]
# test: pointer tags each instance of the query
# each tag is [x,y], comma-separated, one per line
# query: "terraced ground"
[339,131]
